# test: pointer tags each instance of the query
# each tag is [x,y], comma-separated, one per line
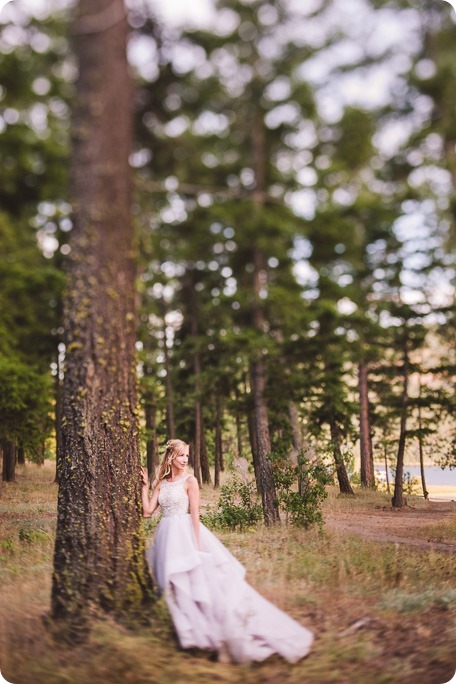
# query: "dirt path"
[422,527]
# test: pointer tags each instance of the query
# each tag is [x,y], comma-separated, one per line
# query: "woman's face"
[181,460]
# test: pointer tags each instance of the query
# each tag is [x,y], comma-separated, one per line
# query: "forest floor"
[428,527]
[377,586]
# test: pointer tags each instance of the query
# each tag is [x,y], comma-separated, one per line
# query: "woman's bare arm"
[150,504]
[194,498]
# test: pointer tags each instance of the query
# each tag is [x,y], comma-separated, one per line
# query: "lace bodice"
[172,497]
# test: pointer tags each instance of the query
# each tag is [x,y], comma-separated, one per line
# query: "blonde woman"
[211,604]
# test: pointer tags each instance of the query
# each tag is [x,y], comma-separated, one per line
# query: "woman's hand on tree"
[145,477]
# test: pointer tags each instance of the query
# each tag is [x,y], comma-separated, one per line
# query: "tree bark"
[295,431]
[341,472]
[198,456]
[150,417]
[58,418]
[420,442]
[237,417]
[238,434]
[218,440]
[20,455]
[169,394]
[9,461]
[298,447]
[398,499]
[205,469]
[265,481]
[253,445]
[385,456]
[99,552]
[367,461]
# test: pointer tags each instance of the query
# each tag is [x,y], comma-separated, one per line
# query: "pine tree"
[99,559]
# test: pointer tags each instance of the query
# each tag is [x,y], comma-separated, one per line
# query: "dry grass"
[381,612]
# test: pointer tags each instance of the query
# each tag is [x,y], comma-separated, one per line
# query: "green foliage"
[238,506]
[410,483]
[29,535]
[301,489]
[7,545]
[25,404]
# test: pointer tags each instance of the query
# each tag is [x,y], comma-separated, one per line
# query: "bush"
[301,489]
[238,506]
[410,483]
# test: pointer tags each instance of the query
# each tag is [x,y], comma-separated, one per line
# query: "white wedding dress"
[211,605]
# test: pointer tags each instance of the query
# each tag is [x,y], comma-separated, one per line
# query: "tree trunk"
[170,422]
[99,558]
[342,476]
[420,442]
[40,456]
[265,481]
[367,461]
[198,456]
[58,417]
[20,455]
[295,431]
[298,447]
[398,499]
[205,469]
[385,455]
[238,434]
[218,440]
[253,445]
[150,417]
[263,470]
[237,416]
[9,461]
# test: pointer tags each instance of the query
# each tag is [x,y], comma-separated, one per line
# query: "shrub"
[238,506]
[301,489]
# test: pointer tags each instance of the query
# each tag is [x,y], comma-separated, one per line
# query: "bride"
[211,605]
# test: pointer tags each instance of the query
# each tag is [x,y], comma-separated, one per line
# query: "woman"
[211,604]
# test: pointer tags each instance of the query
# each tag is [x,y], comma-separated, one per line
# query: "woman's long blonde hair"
[174,447]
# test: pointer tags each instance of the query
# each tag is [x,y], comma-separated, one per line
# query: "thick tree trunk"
[218,440]
[367,461]
[57,418]
[150,417]
[341,472]
[398,499]
[99,552]
[9,461]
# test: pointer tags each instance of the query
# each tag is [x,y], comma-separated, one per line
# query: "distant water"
[433,474]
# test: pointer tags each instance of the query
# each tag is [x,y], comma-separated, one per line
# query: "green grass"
[404,596]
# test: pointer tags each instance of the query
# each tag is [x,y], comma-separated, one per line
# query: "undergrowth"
[382,613]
